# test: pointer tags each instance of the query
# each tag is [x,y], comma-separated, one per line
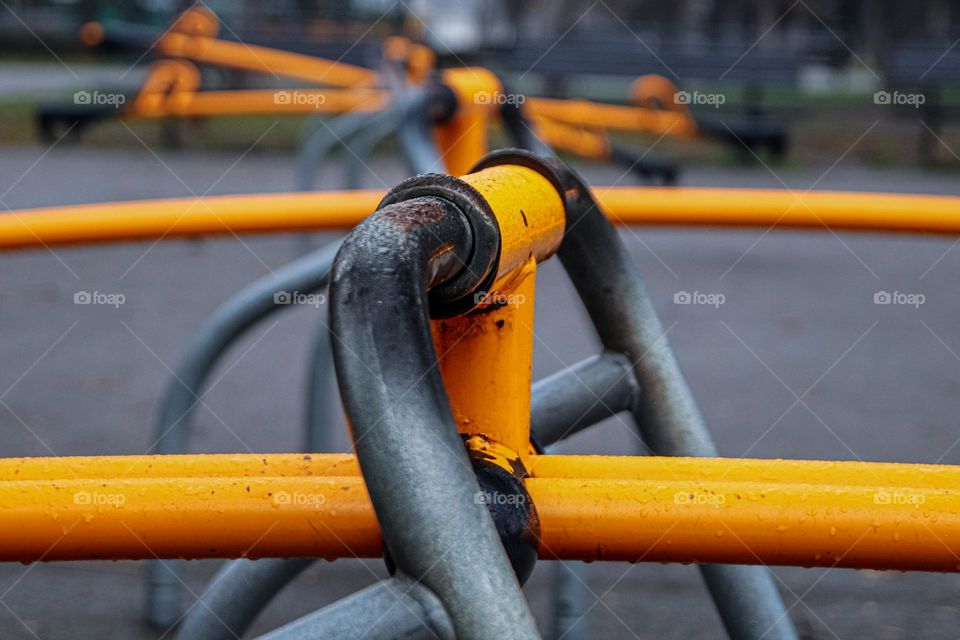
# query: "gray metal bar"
[397,608]
[582,395]
[417,145]
[570,597]
[320,139]
[667,414]
[415,135]
[409,118]
[413,460]
[364,143]
[238,593]
[243,310]
[322,395]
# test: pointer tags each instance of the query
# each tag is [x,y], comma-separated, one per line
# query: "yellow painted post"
[463,139]
[485,356]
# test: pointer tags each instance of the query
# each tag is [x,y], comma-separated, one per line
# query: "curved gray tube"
[561,405]
[320,139]
[239,592]
[667,413]
[320,393]
[396,608]
[408,117]
[415,136]
[417,145]
[582,395]
[238,314]
[364,143]
[413,460]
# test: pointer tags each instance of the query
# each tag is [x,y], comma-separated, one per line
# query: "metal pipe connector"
[414,462]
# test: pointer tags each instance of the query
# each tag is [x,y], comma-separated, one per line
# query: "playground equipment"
[432,362]
[579,127]
[431,300]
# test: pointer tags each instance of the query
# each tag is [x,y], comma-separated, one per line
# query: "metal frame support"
[451,245]
[582,395]
[308,274]
[436,235]
[667,415]
[239,591]
[394,608]
[559,408]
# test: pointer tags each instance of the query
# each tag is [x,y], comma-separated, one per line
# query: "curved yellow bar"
[265,213]
[216,215]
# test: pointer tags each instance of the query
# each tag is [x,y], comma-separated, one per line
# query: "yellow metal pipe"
[257,101]
[463,139]
[778,512]
[529,213]
[141,506]
[687,206]
[192,518]
[585,143]
[815,210]
[485,356]
[178,466]
[239,55]
[583,113]
[215,215]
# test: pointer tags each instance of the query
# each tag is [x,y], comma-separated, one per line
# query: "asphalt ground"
[876,382]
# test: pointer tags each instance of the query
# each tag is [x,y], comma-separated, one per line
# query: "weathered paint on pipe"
[485,358]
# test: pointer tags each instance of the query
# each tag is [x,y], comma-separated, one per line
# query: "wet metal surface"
[877,382]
